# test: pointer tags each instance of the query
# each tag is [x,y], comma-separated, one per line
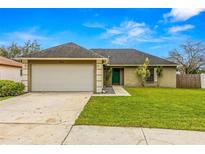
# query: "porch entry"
[116,76]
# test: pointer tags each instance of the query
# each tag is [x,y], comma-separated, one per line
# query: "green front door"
[115,76]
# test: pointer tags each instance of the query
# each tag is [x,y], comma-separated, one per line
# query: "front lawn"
[148,107]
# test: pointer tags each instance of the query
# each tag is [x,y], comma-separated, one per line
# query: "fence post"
[202,80]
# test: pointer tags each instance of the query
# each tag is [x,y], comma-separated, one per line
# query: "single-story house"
[70,67]
[10,69]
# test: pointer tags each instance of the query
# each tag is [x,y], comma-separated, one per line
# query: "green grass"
[3,98]
[148,107]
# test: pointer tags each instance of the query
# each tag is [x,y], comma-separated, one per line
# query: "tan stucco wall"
[10,73]
[130,78]
[168,78]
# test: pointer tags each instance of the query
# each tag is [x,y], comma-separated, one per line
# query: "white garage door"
[62,77]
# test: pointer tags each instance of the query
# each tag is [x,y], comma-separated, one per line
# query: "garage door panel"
[62,77]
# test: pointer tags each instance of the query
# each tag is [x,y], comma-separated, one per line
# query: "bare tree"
[30,47]
[190,56]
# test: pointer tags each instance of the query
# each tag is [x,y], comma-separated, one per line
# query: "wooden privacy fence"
[188,81]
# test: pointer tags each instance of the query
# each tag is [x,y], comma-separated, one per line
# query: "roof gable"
[68,50]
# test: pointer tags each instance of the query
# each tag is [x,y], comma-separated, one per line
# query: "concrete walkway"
[134,136]
[119,91]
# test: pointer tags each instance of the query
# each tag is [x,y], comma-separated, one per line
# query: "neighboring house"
[69,67]
[10,69]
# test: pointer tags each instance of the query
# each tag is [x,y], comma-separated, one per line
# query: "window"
[151,77]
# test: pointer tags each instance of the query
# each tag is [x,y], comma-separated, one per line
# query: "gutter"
[11,65]
[60,58]
[120,65]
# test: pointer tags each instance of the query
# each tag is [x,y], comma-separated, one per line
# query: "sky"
[155,31]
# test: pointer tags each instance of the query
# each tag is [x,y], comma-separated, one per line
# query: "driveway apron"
[40,118]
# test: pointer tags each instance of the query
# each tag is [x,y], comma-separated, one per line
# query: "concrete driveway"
[40,118]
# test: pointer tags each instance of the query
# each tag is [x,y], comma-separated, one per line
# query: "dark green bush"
[10,88]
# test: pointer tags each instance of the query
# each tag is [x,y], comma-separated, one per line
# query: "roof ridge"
[135,50]
[88,50]
[96,53]
[69,49]
[132,50]
[61,45]
[154,56]
[112,49]
[41,51]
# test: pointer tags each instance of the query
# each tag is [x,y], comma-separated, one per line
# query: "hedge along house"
[69,67]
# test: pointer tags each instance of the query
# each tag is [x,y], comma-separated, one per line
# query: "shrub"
[10,88]
[143,72]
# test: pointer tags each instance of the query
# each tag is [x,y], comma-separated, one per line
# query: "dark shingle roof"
[130,57]
[117,56]
[68,50]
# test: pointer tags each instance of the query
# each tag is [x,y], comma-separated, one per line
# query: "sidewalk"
[132,136]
